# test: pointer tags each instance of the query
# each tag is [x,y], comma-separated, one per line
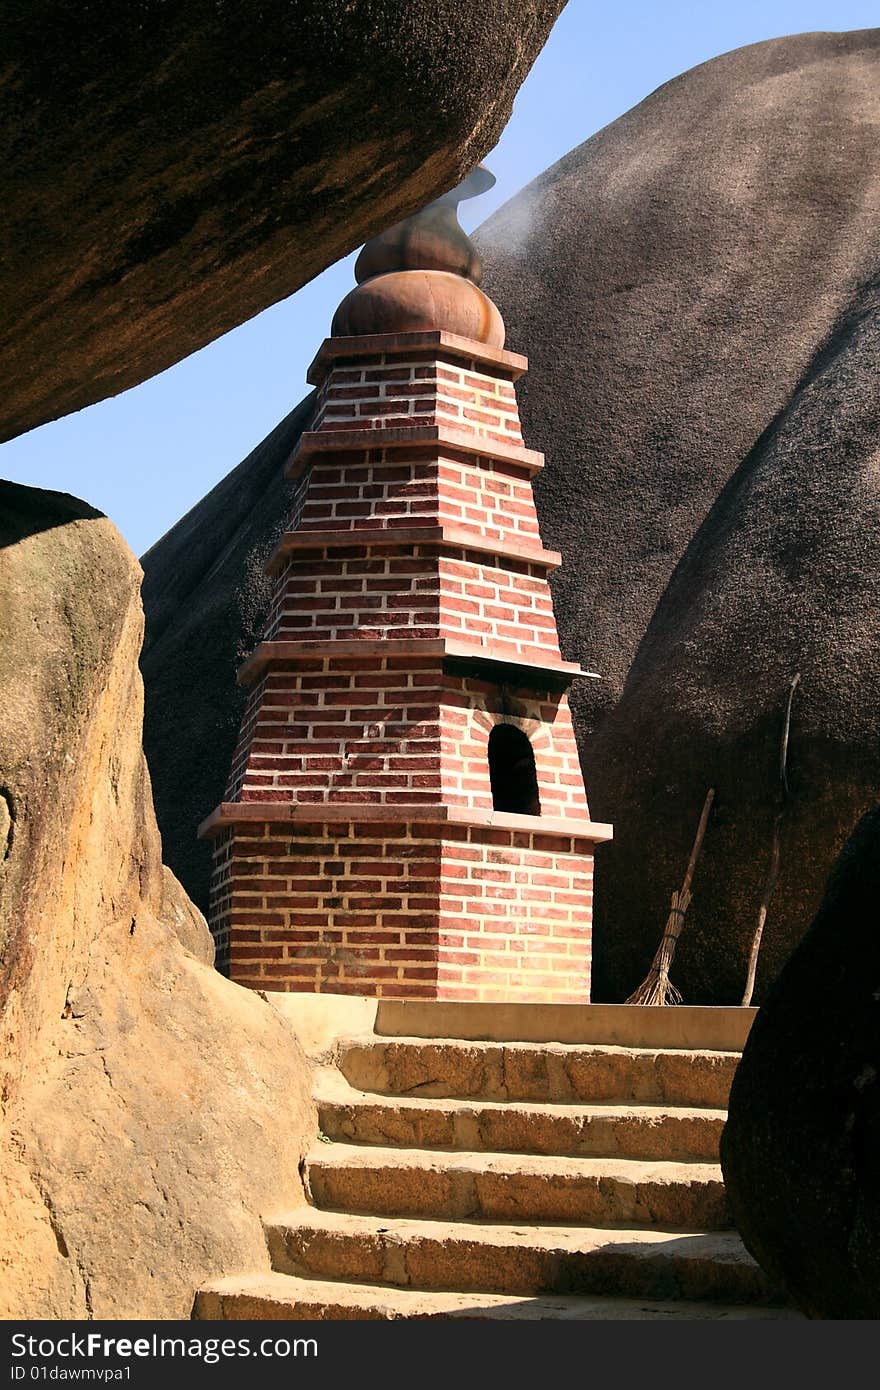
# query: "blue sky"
[147,456]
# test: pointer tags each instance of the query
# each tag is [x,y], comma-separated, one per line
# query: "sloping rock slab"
[170,173]
[782,578]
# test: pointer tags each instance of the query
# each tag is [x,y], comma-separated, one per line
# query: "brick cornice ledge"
[399,345]
[494,658]
[447,537]
[335,812]
[410,437]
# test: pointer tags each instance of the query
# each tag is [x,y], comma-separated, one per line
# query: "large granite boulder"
[801,1149]
[694,288]
[782,578]
[170,172]
[688,285]
[151,1110]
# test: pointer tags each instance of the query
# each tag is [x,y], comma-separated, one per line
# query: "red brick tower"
[406,815]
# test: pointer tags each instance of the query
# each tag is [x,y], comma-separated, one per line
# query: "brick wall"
[472,707]
[221,910]
[515,916]
[407,911]
[425,389]
[420,484]
[342,729]
[350,907]
[499,604]
[396,731]
[413,590]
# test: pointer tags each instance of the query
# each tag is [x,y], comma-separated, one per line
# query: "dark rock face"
[206,597]
[169,173]
[691,296]
[782,577]
[698,307]
[801,1149]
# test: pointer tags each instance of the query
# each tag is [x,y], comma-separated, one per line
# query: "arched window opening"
[512,773]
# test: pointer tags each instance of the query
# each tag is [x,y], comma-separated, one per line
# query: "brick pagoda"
[406,815]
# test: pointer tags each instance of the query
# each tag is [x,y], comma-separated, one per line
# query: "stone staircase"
[509,1179]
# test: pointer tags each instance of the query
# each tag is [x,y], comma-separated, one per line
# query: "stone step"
[542,1072]
[282,1297]
[503,1187]
[516,1258]
[630,1131]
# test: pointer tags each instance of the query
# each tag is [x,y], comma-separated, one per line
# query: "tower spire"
[406,815]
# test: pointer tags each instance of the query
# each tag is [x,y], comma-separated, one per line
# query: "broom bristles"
[656,987]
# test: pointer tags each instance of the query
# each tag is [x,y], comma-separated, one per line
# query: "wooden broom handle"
[698,842]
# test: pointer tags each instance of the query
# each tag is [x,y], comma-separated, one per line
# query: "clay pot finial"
[422,274]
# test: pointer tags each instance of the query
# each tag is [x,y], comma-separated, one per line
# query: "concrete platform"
[319,1019]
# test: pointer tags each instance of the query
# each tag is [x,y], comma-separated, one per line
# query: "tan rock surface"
[150,1109]
[347,1115]
[537,1072]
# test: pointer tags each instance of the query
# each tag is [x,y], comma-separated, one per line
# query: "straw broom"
[656,988]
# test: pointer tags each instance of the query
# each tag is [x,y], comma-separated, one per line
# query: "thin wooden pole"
[773,870]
